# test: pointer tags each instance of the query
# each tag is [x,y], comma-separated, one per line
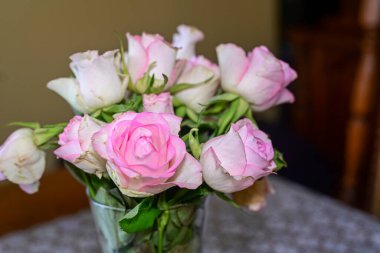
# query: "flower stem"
[162,222]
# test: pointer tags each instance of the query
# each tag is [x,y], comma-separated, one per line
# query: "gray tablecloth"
[295,220]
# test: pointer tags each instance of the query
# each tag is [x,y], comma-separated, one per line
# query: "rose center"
[143,147]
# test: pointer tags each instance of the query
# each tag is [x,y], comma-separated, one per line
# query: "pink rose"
[76,145]
[145,155]
[197,71]
[21,162]
[260,77]
[186,39]
[234,161]
[161,103]
[147,49]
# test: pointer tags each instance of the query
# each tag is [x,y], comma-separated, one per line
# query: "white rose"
[21,162]
[186,39]
[96,83]
[198,70]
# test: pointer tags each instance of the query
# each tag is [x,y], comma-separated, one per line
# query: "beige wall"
[38,36]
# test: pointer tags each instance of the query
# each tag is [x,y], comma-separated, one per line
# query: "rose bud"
[234,161]
[185,40]
[21,162]
[76,145]
[161,103]
[260,78]
[96,83]
[145,50]
[204,75]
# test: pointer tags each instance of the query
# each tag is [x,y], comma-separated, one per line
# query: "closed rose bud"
[148,49]
[186,39]
[96,83]
[21,162]
[260,77]
[234,161]
[158,103]
[205,77]
[76,145]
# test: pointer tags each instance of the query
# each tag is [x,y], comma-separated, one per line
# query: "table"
[296,220]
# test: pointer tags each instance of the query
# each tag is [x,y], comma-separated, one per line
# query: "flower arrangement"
[157,129]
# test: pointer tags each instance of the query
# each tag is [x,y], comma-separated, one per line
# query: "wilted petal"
[254,197]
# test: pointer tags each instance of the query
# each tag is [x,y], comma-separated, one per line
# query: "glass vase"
[183,233]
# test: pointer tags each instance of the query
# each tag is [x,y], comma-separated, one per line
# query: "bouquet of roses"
[157,129]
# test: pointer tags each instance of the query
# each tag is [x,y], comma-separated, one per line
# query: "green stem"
[160,243]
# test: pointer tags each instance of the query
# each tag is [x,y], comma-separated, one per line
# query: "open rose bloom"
[158,127]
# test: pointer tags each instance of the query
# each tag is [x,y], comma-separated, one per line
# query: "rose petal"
[233,63]
[68,88]
[188,174]
[216,177]
[30,188]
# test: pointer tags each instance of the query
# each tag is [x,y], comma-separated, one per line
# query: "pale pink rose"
[158,103]
[260,77]
[21,162]
[186,39]
[145,155]
[234,161]
[96,83]
[205,77]
[76,145]
[147,49]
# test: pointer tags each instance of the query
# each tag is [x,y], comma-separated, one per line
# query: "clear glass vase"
[183,233]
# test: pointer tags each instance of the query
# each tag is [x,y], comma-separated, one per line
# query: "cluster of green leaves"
[106,114]
[46,136]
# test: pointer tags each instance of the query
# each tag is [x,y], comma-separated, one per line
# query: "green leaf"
[77,173]
[141,217]
[180,111]
[117,108]
[108,118]
[180,87]
[184,86]
[226,117]
[49,145]
[224,197]
[242,109]
[192,115]
[250,116]
[33,125]
[177,102]
[215,108]
[44,135]
[193,195]
[143,220]
[194,143]
[279,160]
[96,114]
[225,97]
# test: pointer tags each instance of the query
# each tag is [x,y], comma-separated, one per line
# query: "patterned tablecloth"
[295,220]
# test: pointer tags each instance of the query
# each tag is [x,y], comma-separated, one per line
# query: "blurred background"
[330,136]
